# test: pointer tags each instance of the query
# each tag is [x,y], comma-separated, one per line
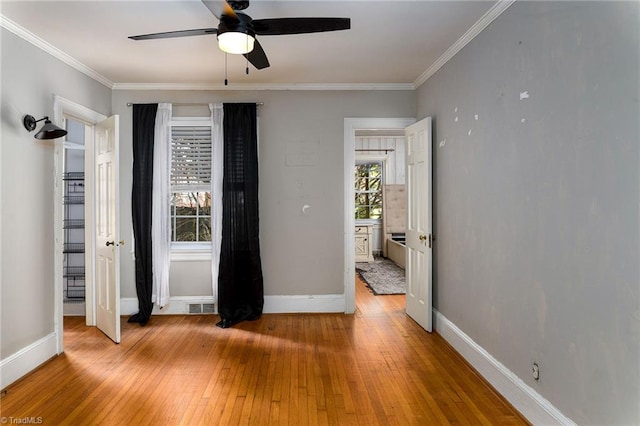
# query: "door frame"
[350,127]
[62,108]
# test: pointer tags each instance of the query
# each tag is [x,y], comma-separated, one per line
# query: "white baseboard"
[74,309]
[323,303]
[525,399]
[178,305]
[27,359]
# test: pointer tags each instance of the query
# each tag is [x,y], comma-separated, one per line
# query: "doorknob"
[110,243]
[113,243]
[422,237]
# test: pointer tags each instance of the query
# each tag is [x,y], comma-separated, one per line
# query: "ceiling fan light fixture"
[236,42]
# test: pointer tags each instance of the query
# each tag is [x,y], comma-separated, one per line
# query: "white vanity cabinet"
[364,243]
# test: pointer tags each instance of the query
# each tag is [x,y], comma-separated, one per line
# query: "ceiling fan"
[237,31]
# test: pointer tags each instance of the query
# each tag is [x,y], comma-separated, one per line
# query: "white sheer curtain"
[217,163]
[161,206]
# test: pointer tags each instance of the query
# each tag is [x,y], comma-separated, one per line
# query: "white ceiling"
[390,42]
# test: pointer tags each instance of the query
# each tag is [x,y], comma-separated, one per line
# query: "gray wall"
[301,254]
[537,200]
[30,78]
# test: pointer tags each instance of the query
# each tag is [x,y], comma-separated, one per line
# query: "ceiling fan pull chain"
[246,57]
[226,82]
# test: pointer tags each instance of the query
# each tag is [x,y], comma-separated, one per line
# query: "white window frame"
[193,250]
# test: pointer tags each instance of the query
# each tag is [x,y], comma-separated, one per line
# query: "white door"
[419,238]
[107,267]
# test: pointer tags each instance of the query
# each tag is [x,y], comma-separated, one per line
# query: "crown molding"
[267,86]
[495,11]
[53,51]
[482,23]
[74,63]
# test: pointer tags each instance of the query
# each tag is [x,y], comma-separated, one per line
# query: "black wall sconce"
[48,131]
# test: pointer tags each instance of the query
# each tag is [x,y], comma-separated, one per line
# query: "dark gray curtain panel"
[240,283]
[144,119]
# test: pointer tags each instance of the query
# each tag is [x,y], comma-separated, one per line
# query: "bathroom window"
[368,191]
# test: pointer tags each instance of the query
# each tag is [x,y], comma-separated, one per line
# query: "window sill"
[363,222]
[190,253]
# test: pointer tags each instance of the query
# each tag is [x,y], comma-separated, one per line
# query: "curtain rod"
[195,104]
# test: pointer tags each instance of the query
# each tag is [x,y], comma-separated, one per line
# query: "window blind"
[191,158]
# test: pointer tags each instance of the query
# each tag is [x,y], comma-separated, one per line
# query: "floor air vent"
[201,308]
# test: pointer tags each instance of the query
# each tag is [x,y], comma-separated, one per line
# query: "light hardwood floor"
[374,367]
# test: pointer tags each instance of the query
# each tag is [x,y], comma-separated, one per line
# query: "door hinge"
[432,239]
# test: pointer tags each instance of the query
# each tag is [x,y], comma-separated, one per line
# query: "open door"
[107,228]
[419,237]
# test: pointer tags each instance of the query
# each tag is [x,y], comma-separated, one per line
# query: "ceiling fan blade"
[172,34]
[219,8]
[278,26]
[257,57]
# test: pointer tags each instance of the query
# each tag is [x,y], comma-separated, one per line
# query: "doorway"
[73,222]
[81,121]
[351,127]
[379,185]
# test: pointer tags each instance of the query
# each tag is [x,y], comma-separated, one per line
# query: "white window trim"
[368,221]
[190,121]
[190,252]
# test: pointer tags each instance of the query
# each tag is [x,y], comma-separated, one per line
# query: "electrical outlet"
[536,372]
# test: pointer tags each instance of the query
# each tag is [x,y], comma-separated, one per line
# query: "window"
[368,191]
[191,216]
[190,182]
